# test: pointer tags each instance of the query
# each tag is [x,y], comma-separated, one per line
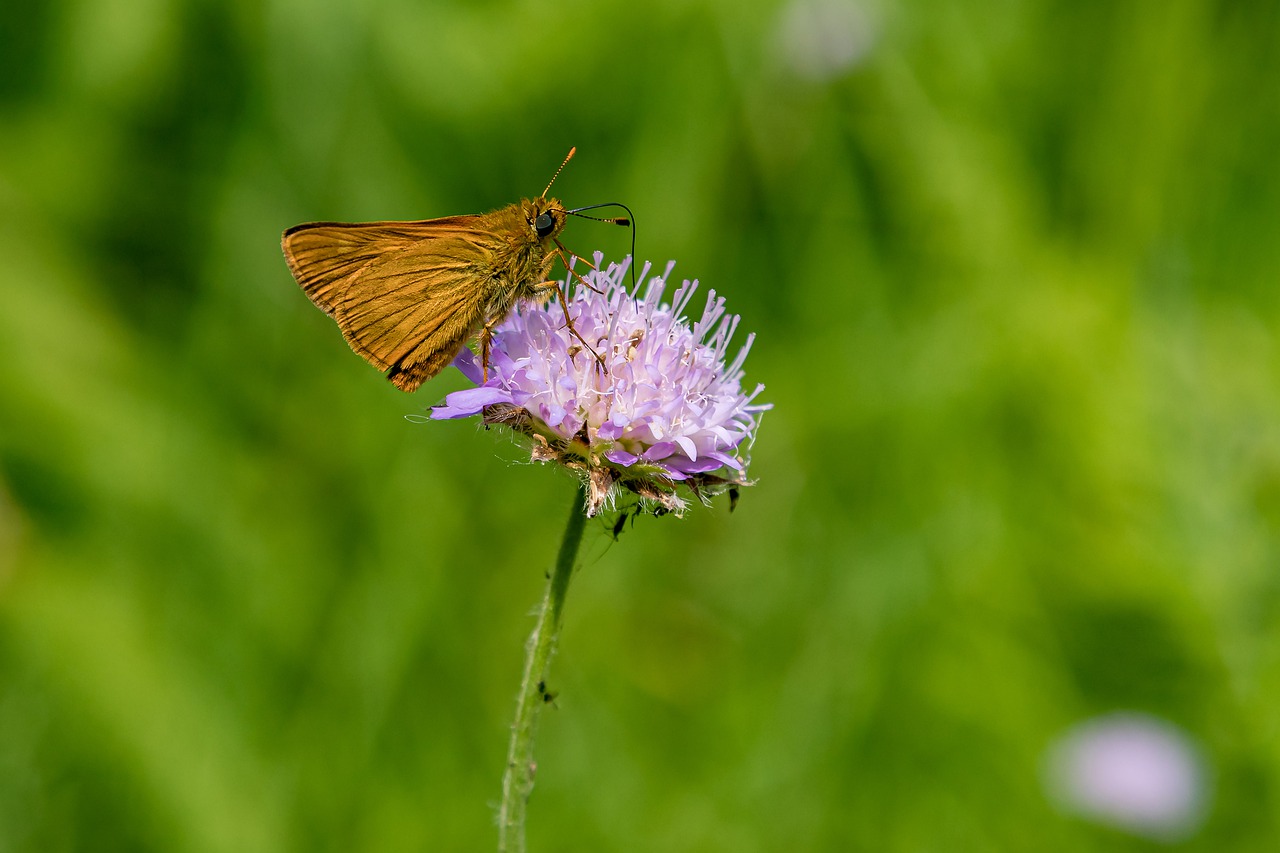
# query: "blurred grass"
[1013,273]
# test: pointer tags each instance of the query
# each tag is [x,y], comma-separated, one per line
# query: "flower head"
[658,409]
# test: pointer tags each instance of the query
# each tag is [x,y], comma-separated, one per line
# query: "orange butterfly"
[409,295]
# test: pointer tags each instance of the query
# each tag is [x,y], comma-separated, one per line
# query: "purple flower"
[1133,771]
[660,407]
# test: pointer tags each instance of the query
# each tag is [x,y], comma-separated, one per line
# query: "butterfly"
[408,296]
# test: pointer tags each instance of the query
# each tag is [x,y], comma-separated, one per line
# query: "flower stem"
[517,782]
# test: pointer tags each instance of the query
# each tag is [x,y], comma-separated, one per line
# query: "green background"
[1013,271]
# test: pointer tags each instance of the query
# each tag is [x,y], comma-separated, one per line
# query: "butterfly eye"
[544,224]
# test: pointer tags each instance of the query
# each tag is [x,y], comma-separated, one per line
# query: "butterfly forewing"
[403,293]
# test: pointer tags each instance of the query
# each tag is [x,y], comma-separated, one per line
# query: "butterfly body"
[409,295]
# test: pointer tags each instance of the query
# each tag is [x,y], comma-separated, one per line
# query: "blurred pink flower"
[1131,771]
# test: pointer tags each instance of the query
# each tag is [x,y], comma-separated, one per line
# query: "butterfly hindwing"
[406,295]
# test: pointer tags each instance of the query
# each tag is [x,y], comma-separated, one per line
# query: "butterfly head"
[545,218]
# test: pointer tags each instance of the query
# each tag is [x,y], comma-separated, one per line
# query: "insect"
[409,295]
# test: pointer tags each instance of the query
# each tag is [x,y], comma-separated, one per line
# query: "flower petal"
[467,362]
[689,466]
[686,444]
[468,402]
[621,457]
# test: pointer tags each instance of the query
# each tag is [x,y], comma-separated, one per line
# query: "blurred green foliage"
[1013,269]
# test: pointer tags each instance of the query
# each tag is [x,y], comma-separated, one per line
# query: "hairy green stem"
[517,782]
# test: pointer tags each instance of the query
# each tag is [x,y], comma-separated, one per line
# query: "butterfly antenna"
[567,158]
[629,220]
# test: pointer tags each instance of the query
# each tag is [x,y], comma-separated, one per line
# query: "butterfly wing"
[406,295]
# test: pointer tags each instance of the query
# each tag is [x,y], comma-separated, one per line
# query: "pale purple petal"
[467,362]
[686,444]
[660,450]
[469,401]
[689,466]
[610,430]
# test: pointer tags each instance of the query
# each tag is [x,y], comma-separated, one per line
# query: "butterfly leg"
[486,338]
[558,288]
[563,252]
